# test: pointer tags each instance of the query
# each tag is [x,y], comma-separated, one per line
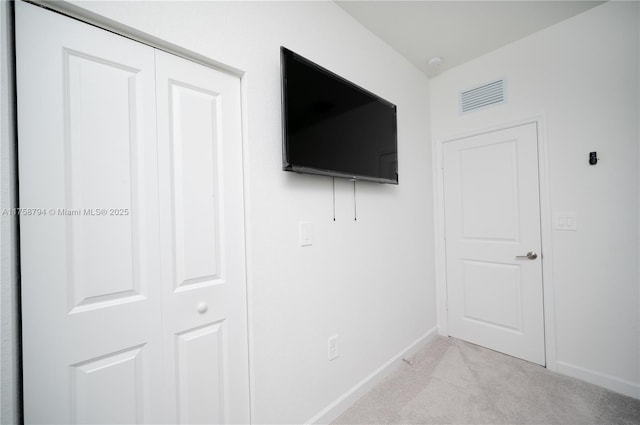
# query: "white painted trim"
[248,257]
[609,382]
[440,243]
[545,229]
[342,403]
[492,128]
[10,350]
[89,17]
[546,222]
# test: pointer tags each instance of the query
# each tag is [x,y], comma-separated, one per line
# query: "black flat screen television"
[334,127]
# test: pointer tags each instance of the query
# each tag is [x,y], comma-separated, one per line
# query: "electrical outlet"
[334,348]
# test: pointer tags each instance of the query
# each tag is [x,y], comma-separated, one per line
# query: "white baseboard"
[342,403]
[609,382]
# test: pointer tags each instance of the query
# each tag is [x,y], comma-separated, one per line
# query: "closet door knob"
[202,307]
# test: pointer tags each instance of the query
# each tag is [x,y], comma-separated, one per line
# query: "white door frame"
[545,226]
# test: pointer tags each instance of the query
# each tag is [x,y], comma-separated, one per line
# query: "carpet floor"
[452,381]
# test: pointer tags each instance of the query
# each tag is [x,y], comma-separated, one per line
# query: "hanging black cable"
[355,214]
[333,182]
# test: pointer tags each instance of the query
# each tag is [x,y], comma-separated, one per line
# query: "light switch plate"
[334,348]
[306,233]
[565,221]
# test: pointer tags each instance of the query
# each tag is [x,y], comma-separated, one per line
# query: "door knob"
[202,307]
[530,255]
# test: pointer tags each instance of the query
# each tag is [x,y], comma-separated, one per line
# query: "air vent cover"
[482,96]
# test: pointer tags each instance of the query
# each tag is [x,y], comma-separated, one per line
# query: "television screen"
[333,127]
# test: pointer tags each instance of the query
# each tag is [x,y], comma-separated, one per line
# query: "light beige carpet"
[452,381]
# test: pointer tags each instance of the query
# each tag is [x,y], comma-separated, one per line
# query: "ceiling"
[457,31]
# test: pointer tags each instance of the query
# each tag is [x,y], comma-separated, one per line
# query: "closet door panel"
[202,217]
[91,305]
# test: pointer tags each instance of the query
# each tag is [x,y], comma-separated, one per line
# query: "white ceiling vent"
[482,96]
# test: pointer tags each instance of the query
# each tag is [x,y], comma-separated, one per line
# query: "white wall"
[372,280]
[9,356]
[583,74]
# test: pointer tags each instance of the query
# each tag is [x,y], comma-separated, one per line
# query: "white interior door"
[132,254]
[492,215]
[90,296]
[201,204]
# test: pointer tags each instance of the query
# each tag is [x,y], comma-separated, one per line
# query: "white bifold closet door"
[132,234]
[202,241]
